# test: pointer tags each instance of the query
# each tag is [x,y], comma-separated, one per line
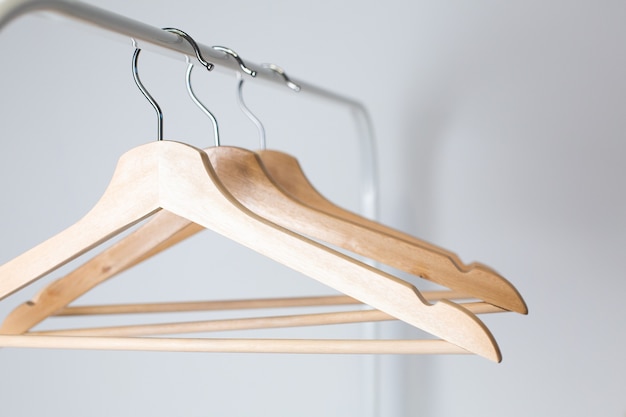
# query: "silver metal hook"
[205,110]
[247,112]
[295,87]
[237,58]
[194,45]
[242,105]
[145,92]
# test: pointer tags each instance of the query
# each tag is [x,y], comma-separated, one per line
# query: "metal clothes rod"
[150,37]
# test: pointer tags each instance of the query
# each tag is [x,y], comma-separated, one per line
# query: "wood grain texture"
[275,196]
[180,179]
[424,259]
[134,180]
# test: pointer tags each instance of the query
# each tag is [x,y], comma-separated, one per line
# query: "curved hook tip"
[278,70]
[237,58]
[194,45]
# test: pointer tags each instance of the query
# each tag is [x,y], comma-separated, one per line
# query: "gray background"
[500,132]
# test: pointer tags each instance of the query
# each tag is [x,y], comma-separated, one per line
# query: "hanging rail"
[150,37]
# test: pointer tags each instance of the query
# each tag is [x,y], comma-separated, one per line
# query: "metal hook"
[295,87]
[194,45]
[145,92]
[205,110]
[237,58]
[242,105]
[247,112]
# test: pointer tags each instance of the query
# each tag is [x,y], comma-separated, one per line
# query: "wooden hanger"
[322,220]
[350,231]
[180,179]
[201,188]
[475,279]
[245,178]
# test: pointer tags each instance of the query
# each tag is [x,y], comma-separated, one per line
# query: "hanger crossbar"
[298,320]
[329,346]
[188,306]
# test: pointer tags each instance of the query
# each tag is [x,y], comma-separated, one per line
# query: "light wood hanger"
[476,279]
[236,163]
[180,179]
[322,220]
[245,177]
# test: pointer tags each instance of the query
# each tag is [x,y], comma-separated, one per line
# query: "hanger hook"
[205,110]
[295,87]
[244,108]
[146,94]
[194,45]
[237,58]
[143,89]
[248,112]
[242,105]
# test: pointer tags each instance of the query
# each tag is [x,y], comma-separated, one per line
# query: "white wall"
[499,128]
[525,111]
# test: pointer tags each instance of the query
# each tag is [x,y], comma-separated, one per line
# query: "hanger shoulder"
[114,212]
[411,254]
[180,179]
[241,170]
[185,191]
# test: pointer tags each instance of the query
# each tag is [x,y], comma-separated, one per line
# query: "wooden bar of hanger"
[180,179]
[188,306]
[476,307]
[296,320]
[328,346]
[271,322]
